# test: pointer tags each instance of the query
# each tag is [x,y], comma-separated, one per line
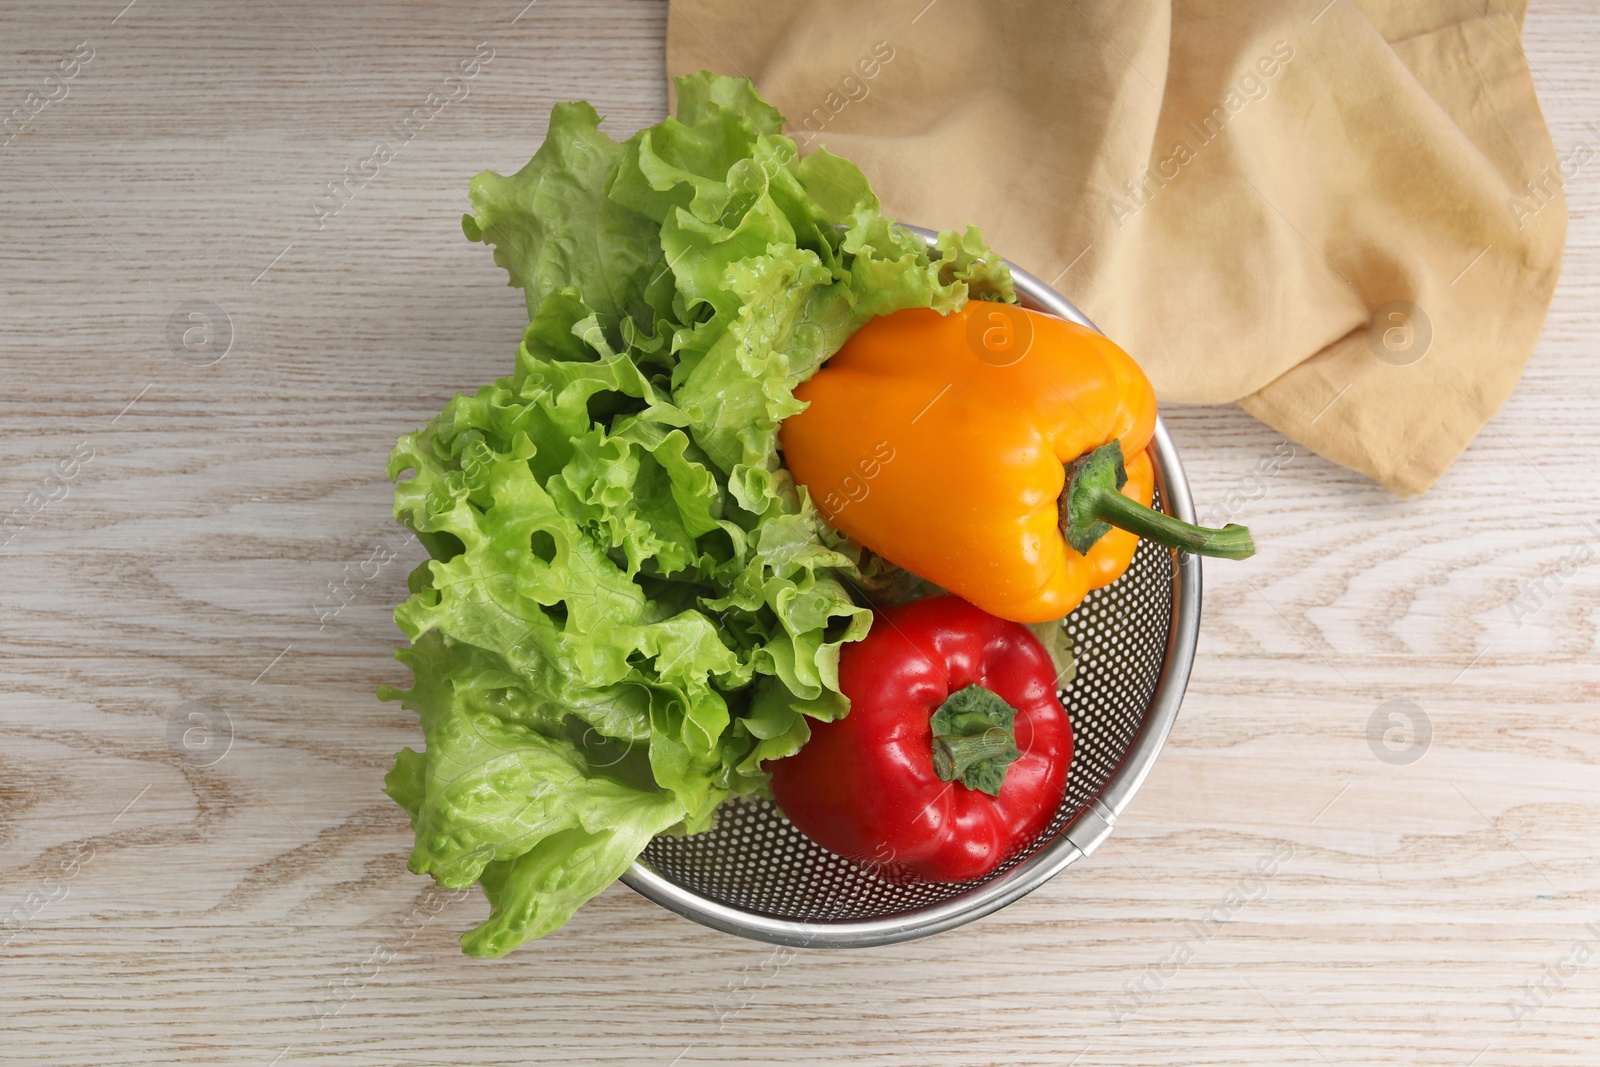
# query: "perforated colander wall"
[755,860]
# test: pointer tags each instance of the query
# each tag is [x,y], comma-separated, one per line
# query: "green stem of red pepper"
[1093,504]
[974,739]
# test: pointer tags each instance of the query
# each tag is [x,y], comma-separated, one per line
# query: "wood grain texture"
[211,905]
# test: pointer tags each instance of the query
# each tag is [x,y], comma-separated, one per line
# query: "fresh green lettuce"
[629,606]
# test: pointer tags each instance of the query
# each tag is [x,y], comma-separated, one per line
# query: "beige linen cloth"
[1346,216]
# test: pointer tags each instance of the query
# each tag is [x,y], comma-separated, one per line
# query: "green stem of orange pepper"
[1093,503]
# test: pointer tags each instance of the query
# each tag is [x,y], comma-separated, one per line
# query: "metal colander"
[756,875]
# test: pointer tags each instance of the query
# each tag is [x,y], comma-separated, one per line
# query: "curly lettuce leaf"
[630,607]
[553,227]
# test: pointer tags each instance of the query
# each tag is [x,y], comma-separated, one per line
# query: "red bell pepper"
[953,757]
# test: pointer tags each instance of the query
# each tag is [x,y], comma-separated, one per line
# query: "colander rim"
[1087,830]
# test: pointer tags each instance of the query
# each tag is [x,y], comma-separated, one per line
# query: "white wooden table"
[199,897]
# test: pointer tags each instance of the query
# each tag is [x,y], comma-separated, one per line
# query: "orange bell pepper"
[995,451]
